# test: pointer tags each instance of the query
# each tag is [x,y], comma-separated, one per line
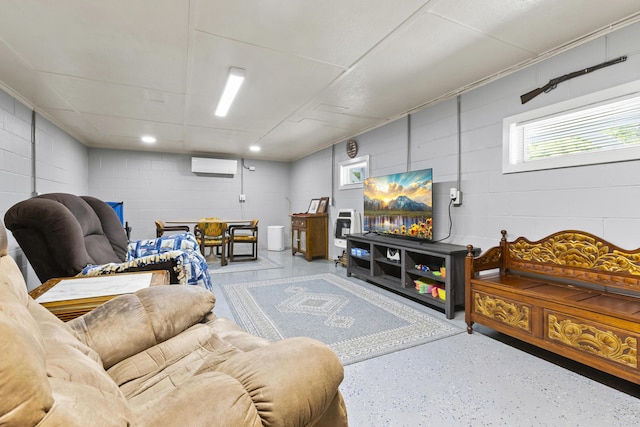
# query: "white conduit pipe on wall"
[333,173]
[458,184]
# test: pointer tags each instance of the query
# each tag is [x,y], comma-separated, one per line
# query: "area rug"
[238,267]
[357,322]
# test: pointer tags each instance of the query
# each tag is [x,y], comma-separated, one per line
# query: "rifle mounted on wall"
[553,83]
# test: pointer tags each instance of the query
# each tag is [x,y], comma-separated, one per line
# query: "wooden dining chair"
[161,228]
[211,233]
[243,234]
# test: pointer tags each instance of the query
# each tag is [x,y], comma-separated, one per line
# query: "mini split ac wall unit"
[214,166]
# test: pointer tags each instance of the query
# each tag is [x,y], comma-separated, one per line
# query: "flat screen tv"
[400,204]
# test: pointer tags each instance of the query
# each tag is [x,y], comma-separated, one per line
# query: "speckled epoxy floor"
[482,379]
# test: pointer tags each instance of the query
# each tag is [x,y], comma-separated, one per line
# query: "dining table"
[229,222]
[196,221]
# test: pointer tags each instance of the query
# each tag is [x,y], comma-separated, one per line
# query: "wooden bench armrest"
[490,259]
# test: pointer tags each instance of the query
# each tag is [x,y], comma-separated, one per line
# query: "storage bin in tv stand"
[398,276]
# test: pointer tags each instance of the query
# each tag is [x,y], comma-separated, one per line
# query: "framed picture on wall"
[324,203]
[313,206]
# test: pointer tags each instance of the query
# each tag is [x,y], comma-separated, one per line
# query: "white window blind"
[581,131]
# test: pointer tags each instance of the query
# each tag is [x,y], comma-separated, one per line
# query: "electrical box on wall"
[214,166]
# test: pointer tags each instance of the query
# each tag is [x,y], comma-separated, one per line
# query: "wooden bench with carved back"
[571,293]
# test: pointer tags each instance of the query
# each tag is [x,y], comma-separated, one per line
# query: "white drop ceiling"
[317,72]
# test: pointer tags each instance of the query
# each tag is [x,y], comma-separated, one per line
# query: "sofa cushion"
[170,364]
[45,371]
[132,323]
[13,290]
[26,394]
[67,357]
[55,384]
[289,379]
[78,405]
[209,399]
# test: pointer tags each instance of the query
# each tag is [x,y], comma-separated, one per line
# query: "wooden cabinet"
[309,235]
[396,264]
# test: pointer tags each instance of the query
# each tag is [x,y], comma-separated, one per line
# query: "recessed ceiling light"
[148,139]
[254,148]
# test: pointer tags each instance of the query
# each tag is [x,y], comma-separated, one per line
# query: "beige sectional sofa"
[158,357]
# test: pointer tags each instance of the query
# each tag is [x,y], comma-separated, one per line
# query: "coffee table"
[70,297]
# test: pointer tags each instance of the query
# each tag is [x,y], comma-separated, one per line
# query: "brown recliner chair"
[62,234]
[158,357]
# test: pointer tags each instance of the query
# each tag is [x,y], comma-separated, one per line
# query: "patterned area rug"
[357,322]
[238,267]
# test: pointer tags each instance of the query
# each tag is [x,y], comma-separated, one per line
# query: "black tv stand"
[400,275]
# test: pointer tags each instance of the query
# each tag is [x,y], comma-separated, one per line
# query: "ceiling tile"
[293,140]
[88,96]
[118,126]
[515,21]
[218,140]
[435,55]
[116,41]
[333,31]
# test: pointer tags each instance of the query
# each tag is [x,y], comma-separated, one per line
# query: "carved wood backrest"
[577,256]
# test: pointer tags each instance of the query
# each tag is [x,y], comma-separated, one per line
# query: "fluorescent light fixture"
[254,148]
[234,81]
[148,139]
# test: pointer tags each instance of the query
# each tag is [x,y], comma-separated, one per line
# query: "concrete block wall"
[601,199]
[60,164]
[312,180]
[161,186]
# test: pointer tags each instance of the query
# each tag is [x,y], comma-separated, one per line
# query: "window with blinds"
[598,128]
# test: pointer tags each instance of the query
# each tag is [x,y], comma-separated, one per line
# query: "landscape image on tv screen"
[400,204]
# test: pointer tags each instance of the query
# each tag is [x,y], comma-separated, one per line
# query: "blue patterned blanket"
[191,267]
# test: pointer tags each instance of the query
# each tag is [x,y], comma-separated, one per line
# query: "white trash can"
[275,238]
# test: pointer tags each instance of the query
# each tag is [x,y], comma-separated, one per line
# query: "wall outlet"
[243,198]
[458,200]
[456,196]
[453,193]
